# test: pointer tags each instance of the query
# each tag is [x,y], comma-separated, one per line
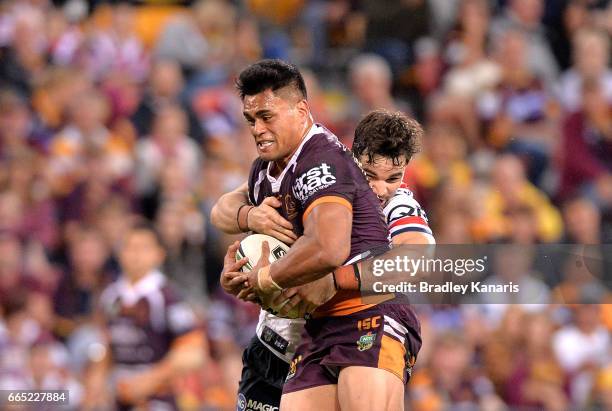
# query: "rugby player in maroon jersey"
[327,202]
[152,333]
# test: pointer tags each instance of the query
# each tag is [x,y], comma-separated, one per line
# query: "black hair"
[145,225]
[386,134]
[271,74]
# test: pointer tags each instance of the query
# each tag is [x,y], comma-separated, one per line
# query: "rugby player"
[315,171]
[153,334]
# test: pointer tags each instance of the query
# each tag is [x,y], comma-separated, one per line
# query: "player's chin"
[268,155]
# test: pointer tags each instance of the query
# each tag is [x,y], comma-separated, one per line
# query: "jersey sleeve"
[404,214]
[180,317]
[256,174]
[325,176]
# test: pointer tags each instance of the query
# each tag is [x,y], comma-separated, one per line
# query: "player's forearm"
[224,214]
[182,357]
[96,377]
[325,245]
[307,261]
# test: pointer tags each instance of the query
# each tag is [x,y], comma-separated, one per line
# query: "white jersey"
[280,335]
[404,214]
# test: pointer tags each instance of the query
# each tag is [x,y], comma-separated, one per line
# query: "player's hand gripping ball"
[251,247]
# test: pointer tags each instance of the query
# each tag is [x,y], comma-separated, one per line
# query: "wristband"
[348,277]
[265,283]
[242,217]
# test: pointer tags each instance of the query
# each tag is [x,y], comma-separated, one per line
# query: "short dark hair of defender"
[387,134]
[269,74]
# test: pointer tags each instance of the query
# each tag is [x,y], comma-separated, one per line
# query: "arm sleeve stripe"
[408,229]
[408,220]
[326,199]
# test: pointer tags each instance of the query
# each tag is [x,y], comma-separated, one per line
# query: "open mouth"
[264,144]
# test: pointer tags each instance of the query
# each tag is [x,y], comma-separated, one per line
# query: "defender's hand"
[259,281]
[306,297]
[232,279]
[265,219]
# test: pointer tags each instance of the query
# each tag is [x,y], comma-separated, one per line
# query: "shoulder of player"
[110,293]
[322,148]
[402,196]
[403,204]
[166,289]
[171,293]
[257,165]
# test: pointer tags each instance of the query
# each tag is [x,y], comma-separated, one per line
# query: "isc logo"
[368,323]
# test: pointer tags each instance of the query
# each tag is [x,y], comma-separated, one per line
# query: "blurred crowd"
[111,111]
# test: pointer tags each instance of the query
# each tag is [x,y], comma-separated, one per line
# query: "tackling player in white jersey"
[384,144]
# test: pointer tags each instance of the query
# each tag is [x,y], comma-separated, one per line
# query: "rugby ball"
[250,247]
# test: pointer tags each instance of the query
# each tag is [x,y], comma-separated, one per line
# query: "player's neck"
[279,165]
[134,278]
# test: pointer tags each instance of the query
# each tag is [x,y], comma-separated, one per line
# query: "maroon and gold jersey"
[143,320]
[323,170]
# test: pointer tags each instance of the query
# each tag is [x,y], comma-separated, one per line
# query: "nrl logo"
[366,341]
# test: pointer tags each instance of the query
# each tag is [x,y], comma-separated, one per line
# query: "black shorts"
[263,376]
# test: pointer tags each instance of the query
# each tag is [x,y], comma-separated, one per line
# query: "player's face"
[384,177]
[140,254]
[277,121]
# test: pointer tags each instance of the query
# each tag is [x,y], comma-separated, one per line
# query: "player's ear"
[303,108]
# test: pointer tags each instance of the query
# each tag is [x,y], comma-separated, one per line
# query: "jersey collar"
[131,293]
[276,182]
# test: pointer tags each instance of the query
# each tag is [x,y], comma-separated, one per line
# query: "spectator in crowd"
[591,55]
[451,378]
[168,143]
[166,83]
[589,342]
[116,47]
[587,148]
[537,378]
[525,16]
[86,275]
[442,162]
[182,234]
[19,129]
[510,190]
[471,71]
[85,137]
[520,113]
[371,80]
[203,38]
[28,212]
[582,221]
